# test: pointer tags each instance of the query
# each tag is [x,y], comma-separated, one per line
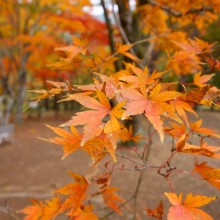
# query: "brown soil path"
[31,168]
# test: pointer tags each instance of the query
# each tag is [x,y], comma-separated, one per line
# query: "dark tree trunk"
[6,101]
[22,75]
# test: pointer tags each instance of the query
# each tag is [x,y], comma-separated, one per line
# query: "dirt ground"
[32,168]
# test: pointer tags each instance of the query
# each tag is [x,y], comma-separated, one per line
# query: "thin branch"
[120,206]
[133,169]
[109,26]
[170,184]
[148,144]
[128,158]
[7,210]
[187,172]
[122,32]
[177,13]
[118,23]
[145,157]
[136,192]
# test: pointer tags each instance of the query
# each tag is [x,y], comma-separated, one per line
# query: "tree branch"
[177,13]
[110,32]
[123,34]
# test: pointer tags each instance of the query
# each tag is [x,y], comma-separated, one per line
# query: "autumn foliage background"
[135,76]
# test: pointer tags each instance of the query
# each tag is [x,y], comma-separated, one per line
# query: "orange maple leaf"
[196,46]
[157,212]
[123,49]
[208,173]
[188,208]
[51,209]
[141,77]
[76,193]
[71,51]
[177,130]
[196,127]
[112,199]
[126,134]
[71,142]
[45,94]
[83,213]
[201,80]
[181,107]
[93,119]
[197,95]
[40,211]
[153,105]
[110,85]
[203,150]
[34,212]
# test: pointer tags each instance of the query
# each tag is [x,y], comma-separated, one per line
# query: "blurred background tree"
[31,30]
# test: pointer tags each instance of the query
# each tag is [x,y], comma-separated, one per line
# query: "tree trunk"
[22,78]
[22,75]
[6,101]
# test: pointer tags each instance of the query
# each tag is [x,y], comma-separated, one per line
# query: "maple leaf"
[197,94]
[196,127]
[157,212]
[196,46]
[45,94]
[110,82]
[154,106]
[69,141]
[141,77]
[104,179]
[188,209]
[76,193]
[204,150]
[92,119]
[59,85]
[183,57]
[34,212]
[123,49]
[40,211]
[201,80]
[126,134]
[177,130]
[181,108]
[83,213]
[208,173]
[112,199]
[181,143]
[51,209]
[72,51]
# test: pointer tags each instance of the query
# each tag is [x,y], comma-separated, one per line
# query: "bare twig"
[144,157]
[123,34]
[177,13]
[148,144]
[7,210]
[128,158]
[120,206]
[133,169]
[109,26]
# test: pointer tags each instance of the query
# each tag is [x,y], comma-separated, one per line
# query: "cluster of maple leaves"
[111,101]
